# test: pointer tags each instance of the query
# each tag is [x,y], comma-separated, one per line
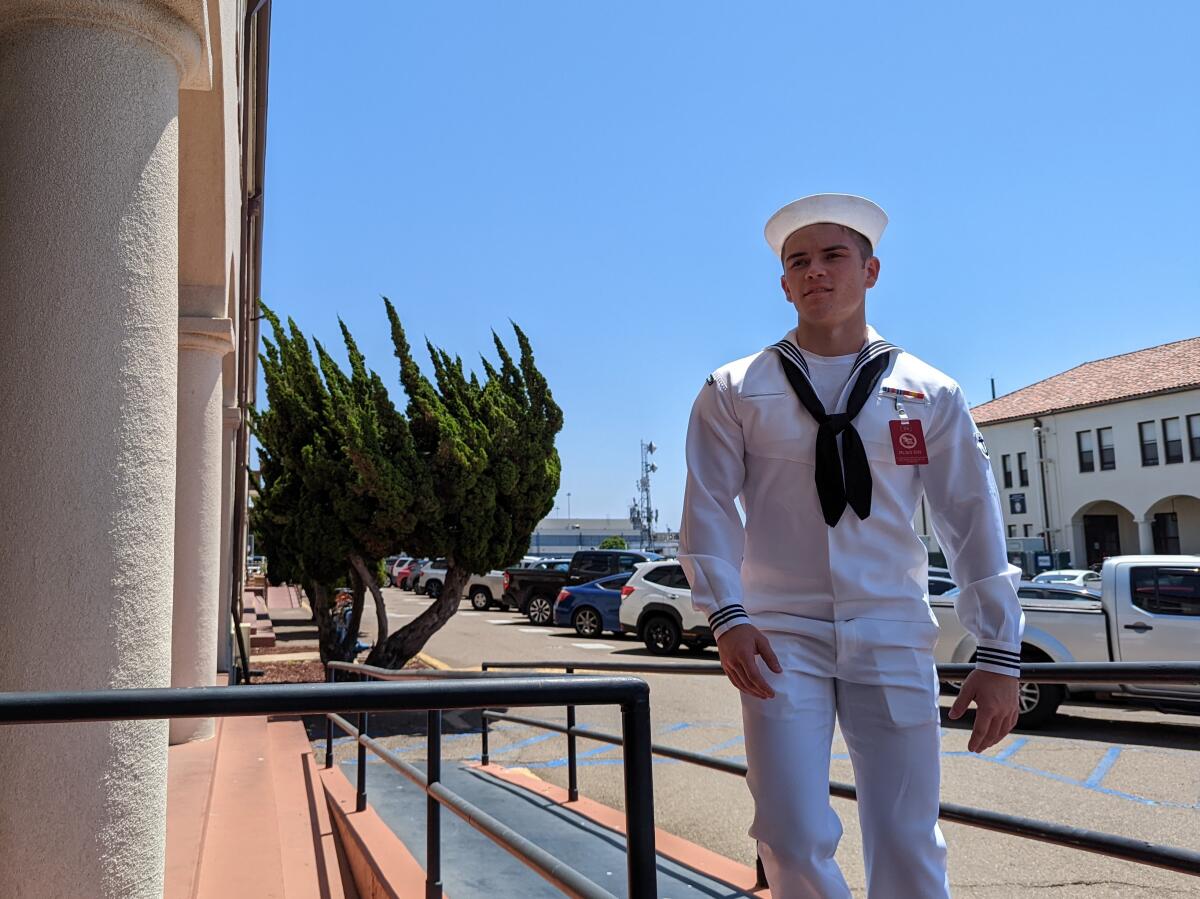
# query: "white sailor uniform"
[845,606]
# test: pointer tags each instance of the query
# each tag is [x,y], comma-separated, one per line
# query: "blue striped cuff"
[999,661]
[726,617]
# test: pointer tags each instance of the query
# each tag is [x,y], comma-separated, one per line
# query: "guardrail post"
[639,799]
[483,729]
[331,676]
[572,769]
[433,808]
[360,801]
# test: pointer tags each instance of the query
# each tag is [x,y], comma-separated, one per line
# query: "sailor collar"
[874,347]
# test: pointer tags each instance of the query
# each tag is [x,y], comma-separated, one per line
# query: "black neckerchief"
[844,479]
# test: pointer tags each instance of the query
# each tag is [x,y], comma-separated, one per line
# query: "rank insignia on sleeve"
[982,446]
[709,380]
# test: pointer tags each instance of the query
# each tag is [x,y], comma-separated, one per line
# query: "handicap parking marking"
[535,630]
[591,645]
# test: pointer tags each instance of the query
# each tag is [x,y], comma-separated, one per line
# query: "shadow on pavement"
[1165,734]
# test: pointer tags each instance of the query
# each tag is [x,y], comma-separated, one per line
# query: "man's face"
[824,275]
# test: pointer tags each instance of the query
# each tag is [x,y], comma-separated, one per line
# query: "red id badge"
[908,442]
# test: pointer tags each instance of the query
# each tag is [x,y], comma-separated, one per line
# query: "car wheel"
[434,589]
[661,635]
[540,610]
[586,622]
[481,599]
[1038,703]
[387,581]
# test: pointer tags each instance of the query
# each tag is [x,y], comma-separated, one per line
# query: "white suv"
[656,604]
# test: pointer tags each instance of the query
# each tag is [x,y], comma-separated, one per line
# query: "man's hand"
[738,646]
[995,698]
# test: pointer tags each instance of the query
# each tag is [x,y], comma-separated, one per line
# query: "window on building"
[1022,471]
[1108,451]
[1149,443]
[1087,456]
[1167,590]
[1006,470]
[1012,530]
[1193,422]
[1028,530]
[1172,441]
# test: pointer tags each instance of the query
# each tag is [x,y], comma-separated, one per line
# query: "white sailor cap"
[854,212]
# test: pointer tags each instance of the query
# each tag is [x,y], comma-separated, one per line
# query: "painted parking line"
[469,614]
[1103,767]
[501,621]
[535,630]
[591,646]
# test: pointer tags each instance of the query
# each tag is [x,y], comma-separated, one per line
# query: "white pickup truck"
[1148,610]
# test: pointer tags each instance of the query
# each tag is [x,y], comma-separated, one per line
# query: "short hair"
[864,245]
[865,250]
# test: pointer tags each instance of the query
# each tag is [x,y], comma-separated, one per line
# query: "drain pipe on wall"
[1041,457]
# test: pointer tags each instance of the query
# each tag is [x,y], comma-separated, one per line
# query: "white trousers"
[878,679]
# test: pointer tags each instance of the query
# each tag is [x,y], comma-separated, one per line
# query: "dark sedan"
[592,608]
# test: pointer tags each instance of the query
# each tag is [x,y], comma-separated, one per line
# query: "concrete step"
[246,817]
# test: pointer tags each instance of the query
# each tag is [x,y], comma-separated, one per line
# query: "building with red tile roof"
[1102,459]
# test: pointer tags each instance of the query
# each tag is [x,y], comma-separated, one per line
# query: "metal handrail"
[631,694]
[639,793]
[1141,851]
[1176,673]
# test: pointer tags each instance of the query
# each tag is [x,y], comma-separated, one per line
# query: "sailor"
[818,602]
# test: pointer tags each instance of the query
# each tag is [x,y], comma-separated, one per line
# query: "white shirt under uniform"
[845,607]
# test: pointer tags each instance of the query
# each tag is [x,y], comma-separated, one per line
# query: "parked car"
[656,605]
[483,590]
[939,585]
[591,608]
[403,574]
[390,565]
[487,590]
[1076,576]
[1148,610]
[531,591]
[429,580]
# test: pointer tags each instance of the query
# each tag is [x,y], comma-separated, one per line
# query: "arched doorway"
[1102,529]
[1175,524]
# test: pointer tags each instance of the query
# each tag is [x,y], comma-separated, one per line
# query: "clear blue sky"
[600,173]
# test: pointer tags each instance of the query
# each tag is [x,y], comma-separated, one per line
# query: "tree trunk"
[368,578]
[403,645]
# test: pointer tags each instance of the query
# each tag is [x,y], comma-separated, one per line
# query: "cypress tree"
[466,471]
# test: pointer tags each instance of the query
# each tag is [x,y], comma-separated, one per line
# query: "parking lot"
[1124,771]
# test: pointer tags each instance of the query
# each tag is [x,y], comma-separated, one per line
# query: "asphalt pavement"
[1123,771]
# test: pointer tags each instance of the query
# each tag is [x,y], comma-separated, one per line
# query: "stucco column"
[231,421]
[202,344]
[88,296]
[1145,528]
